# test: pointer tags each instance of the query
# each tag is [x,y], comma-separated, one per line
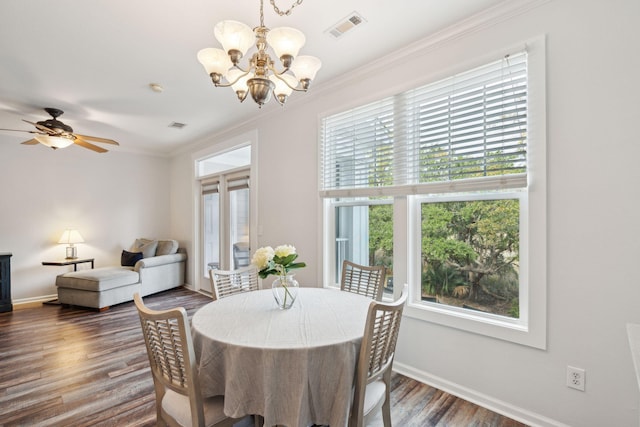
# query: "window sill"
[493,326]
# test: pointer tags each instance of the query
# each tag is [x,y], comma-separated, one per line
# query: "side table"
[74,262]
[67,261]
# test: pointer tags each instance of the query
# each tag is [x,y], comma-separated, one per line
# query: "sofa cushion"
[167,247]
[98,279]
[129,259]
[146,246]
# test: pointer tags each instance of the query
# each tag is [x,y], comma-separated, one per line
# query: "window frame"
[415,206]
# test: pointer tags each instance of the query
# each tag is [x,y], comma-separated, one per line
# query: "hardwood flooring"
[62,366]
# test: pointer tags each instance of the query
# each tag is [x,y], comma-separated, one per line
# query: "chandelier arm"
[236,80]
[277,74]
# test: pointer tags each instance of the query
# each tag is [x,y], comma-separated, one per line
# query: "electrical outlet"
[576,378]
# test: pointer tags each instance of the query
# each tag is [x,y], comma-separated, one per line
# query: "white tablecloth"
[295,367]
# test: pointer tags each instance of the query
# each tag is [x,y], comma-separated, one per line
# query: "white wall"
[111,198]
[593,197]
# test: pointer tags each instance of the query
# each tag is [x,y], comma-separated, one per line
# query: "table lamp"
[71,236]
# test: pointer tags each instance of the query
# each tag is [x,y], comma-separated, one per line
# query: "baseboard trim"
[519,414]
[33,302]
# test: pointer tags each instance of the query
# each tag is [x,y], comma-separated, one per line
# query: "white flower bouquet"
[278,261]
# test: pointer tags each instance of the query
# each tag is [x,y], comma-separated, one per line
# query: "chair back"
[241,254]
[377,351]
[171,356]
[363,280]
[229,282]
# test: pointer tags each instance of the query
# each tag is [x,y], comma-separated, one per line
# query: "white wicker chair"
[373,373]
[173,366]
[230,282]
[363,280]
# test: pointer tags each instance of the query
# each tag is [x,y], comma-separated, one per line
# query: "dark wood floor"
[73,367]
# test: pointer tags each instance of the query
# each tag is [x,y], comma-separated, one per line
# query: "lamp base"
[71,252]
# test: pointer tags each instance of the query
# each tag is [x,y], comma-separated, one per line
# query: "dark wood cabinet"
[5,282]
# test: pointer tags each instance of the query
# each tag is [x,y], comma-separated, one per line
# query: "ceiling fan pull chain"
[287,12]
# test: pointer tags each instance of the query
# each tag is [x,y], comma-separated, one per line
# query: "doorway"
[225,209]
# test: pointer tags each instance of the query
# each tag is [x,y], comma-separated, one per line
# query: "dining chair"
[173,367]
[363,280]
[241,256]
[229,282]
[373,372]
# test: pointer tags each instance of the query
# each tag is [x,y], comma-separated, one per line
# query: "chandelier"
[260,77]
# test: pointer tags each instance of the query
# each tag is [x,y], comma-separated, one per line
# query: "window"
[470,253]
[443,173]
[364,235]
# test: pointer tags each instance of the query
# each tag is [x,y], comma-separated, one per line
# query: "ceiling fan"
[55,134]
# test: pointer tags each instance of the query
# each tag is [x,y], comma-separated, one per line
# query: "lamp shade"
[234,35]
[306,67]
[285,41]
[214,61]
[54,141]
[281,87]
[71,236]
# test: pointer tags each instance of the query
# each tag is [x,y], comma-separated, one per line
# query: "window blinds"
[210,186]
[234,182]
[466,132]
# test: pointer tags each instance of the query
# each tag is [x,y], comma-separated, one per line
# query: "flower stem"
[283,283]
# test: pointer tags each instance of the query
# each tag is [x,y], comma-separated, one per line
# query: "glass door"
[225,229]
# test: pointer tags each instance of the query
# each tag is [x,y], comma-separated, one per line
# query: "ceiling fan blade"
[20,130]
[41,128]
[30,142]
[81,142]
[96,139]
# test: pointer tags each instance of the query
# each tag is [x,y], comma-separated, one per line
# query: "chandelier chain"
[286,12]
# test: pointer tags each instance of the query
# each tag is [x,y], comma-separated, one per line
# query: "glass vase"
[285,291]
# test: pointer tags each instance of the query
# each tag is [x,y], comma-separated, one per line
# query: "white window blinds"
[467,132]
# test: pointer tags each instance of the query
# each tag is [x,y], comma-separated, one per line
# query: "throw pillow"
[167,247]
[129,259]
[146,246]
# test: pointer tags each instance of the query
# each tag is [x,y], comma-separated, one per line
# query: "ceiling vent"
[346,24]
[177,125]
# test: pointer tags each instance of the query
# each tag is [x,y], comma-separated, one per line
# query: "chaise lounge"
[150,266]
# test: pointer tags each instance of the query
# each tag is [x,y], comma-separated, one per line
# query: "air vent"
[177,125]
[346,24]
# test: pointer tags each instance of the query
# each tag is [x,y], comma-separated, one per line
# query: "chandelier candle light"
[260,78]
[279,261]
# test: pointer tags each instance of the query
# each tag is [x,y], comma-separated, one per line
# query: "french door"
[225,222]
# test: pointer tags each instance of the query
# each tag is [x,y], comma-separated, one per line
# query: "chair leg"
[386,413]
[258,420]
[386,407]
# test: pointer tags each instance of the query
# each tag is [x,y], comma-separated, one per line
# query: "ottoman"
[98,288]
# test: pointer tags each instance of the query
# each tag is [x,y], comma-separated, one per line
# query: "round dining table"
[295,367]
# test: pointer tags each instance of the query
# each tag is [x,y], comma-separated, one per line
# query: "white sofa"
[163,268]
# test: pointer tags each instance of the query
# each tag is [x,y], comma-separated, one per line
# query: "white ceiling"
[95,59]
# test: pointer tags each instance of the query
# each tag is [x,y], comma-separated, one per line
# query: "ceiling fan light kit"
[55,134]
[260,78]
[54,141]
